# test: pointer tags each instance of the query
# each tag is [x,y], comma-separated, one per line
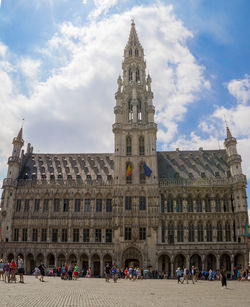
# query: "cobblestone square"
[96,292]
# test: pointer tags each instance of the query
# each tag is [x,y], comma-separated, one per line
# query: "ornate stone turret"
[14,160]
[234,159]
[134,128]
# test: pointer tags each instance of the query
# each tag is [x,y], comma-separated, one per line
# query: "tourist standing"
[145,273]
[114,271]
[223,278]
[1,269]
[76,271]
[185,275]
[193,273]
[107,272]
[13,270]
[7,271]
[20,267]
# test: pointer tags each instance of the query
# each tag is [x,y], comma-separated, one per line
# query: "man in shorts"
[20,267]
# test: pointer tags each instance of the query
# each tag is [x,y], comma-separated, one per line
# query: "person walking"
[178,273]
[114,271]
[107,272]
[223,278]
[185,275]
[193,273]
[20,267]
[42,271]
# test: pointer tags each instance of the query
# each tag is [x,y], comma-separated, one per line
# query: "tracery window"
[170,204]
[219,232]
[130,75]
[141,146]
[179,204]
[209,232]
[142,173]
[198,204]
[191,232]
[225,204]
[171,233]
[130,110]
[217,204]
[130,52]
[162,203]
[136,53]
[200,232]
[180,232]
[228,232]
[207,204]
[190,204]
[137,75]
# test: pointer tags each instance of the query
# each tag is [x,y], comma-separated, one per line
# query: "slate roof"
[192,164]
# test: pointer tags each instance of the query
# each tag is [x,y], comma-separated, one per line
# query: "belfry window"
[130,52]
[130,110]
[139,114]
[137,76]
[136,52]
[128,145]
[130,75]
[141,146]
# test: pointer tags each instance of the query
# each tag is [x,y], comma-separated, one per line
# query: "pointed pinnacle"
[20,134]
[229,135]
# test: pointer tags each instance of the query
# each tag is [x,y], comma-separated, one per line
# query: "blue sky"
[59,61]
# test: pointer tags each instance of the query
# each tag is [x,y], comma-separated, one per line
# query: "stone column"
[232,265]
[25,264]
[172,267]
[203,257]
[89,260]
[217,262]
[101,266]
[188,262]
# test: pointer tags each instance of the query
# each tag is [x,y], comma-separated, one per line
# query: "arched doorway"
[239,261]
[84,263]
[179,262]
[39,259]
[30,263]
[72,259]
[210,262]
[50,260]
[164,264]
[225,262]
[195,260]
[132,257]
[96,271]
[61,259]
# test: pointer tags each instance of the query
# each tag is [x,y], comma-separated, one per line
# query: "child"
[36,272]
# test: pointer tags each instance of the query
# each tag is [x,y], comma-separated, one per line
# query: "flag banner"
[247,233]
[129,171]
[147,170]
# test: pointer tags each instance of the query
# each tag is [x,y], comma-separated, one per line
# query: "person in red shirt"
[126,273]
[13,270]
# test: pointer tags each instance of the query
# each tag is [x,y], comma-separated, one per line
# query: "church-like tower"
[134,128]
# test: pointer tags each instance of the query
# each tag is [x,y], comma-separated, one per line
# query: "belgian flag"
[129,171]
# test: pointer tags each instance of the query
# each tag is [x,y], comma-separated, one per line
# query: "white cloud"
[3,48]
[30,67]
[102,7]
[240,89]
[84,1]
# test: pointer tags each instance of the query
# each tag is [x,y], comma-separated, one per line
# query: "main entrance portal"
[132,257]
[132,263]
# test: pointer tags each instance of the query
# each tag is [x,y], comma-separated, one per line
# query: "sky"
[60,60]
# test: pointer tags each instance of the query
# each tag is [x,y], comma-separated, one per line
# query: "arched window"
[225,204]
[170,204]
[190,204]
[128,173]
[136,52]
[139,113]
[142,173]
[200,232]
[137,75]
[130,110]
[219,232]
[130,52]
[198,204]
[171,233]
[179,204]
[207,204]
[228,232]
[130,75]
[209,232]
[217,204]
[128,145]
[141,146]
[180,232]
[191,232]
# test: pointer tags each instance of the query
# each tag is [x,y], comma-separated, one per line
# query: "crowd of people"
[9,270]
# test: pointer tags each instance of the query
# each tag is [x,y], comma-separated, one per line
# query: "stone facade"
[156,209]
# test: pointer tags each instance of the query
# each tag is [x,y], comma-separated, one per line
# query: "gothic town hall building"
[155,209]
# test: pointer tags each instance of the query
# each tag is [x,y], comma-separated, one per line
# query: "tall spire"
[229,135]
[133,40]
[20,134]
